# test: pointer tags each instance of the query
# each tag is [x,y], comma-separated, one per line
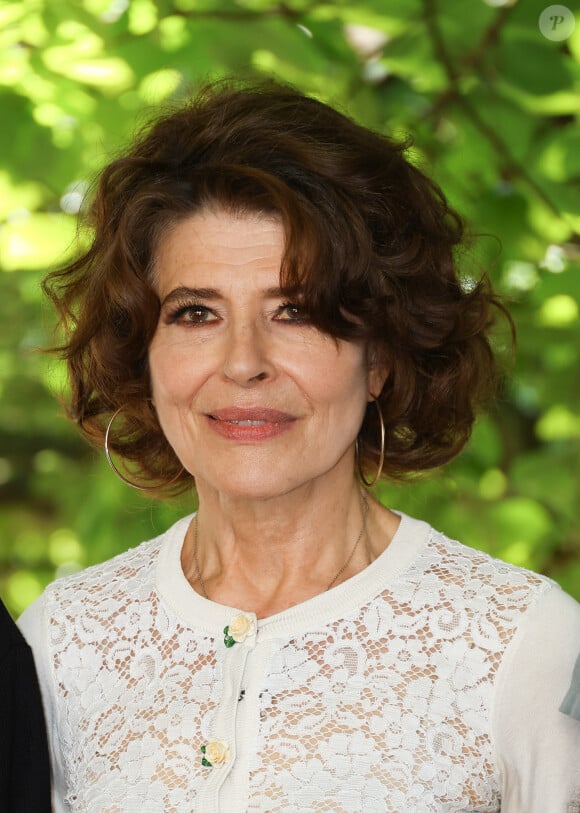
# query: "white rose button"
[215,753]
[240,628]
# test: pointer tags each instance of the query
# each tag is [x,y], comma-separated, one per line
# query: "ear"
[377,371]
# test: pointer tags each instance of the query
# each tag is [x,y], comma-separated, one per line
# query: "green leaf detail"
[205,763]
[229,641]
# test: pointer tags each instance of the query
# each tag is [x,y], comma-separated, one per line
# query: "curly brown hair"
[371,243]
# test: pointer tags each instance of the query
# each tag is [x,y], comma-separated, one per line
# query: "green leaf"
[534,65]
[37,241]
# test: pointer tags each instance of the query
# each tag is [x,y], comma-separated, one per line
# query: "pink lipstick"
[249,424]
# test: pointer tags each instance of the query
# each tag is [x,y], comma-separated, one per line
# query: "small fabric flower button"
[215,753]
[240,628]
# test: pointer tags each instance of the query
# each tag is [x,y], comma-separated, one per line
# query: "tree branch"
[454,94]
[280,10]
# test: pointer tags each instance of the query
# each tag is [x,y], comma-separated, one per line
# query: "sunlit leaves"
[35,241]
[18,197]
[558,423]
[173,33]
[558,311]
[142,17]
[81,59]
[532,64]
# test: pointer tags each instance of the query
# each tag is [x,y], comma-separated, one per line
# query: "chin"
[244,485]
[258,489]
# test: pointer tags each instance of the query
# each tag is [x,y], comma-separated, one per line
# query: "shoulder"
[545,651]
[91,612]
[537,623]
[499,607]
[130,573]
[451,569]
[98,591]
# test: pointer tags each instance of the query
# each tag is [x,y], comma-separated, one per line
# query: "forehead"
[219,243]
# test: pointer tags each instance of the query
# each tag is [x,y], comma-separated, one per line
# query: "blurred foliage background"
[492,104]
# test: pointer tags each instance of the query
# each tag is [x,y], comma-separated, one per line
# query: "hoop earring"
[119,474]
[374,481]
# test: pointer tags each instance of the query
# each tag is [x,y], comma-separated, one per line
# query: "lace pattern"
[387,709]
[133,708]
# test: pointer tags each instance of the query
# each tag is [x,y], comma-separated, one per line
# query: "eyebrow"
[183,292]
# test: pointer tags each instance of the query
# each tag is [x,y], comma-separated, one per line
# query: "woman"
[270,310]
[24,765]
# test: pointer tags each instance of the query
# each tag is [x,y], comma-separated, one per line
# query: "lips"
[252,414]
[249,423]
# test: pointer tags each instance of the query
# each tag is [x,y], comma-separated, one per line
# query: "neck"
[267,555]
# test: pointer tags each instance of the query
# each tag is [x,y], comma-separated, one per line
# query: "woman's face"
[255,401]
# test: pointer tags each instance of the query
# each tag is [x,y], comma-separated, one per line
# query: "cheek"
[172,378]
[337,380]
[157,376]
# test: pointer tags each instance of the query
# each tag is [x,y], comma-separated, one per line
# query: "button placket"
[234,793]
[218,753]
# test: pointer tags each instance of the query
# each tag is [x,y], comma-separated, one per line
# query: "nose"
[247,357]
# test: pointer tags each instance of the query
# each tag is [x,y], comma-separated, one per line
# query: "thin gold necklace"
[365,507]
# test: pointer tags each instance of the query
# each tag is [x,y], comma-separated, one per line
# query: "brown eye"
[193,314]
[197,314]
[290,312]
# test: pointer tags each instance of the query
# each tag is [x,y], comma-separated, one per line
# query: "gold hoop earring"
[375,479]
[119,474]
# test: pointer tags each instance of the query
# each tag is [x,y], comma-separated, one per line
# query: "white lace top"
[429,682]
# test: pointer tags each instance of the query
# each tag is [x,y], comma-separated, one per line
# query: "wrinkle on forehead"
[209,240]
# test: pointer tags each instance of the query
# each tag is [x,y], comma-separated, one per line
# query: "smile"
[249,424]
